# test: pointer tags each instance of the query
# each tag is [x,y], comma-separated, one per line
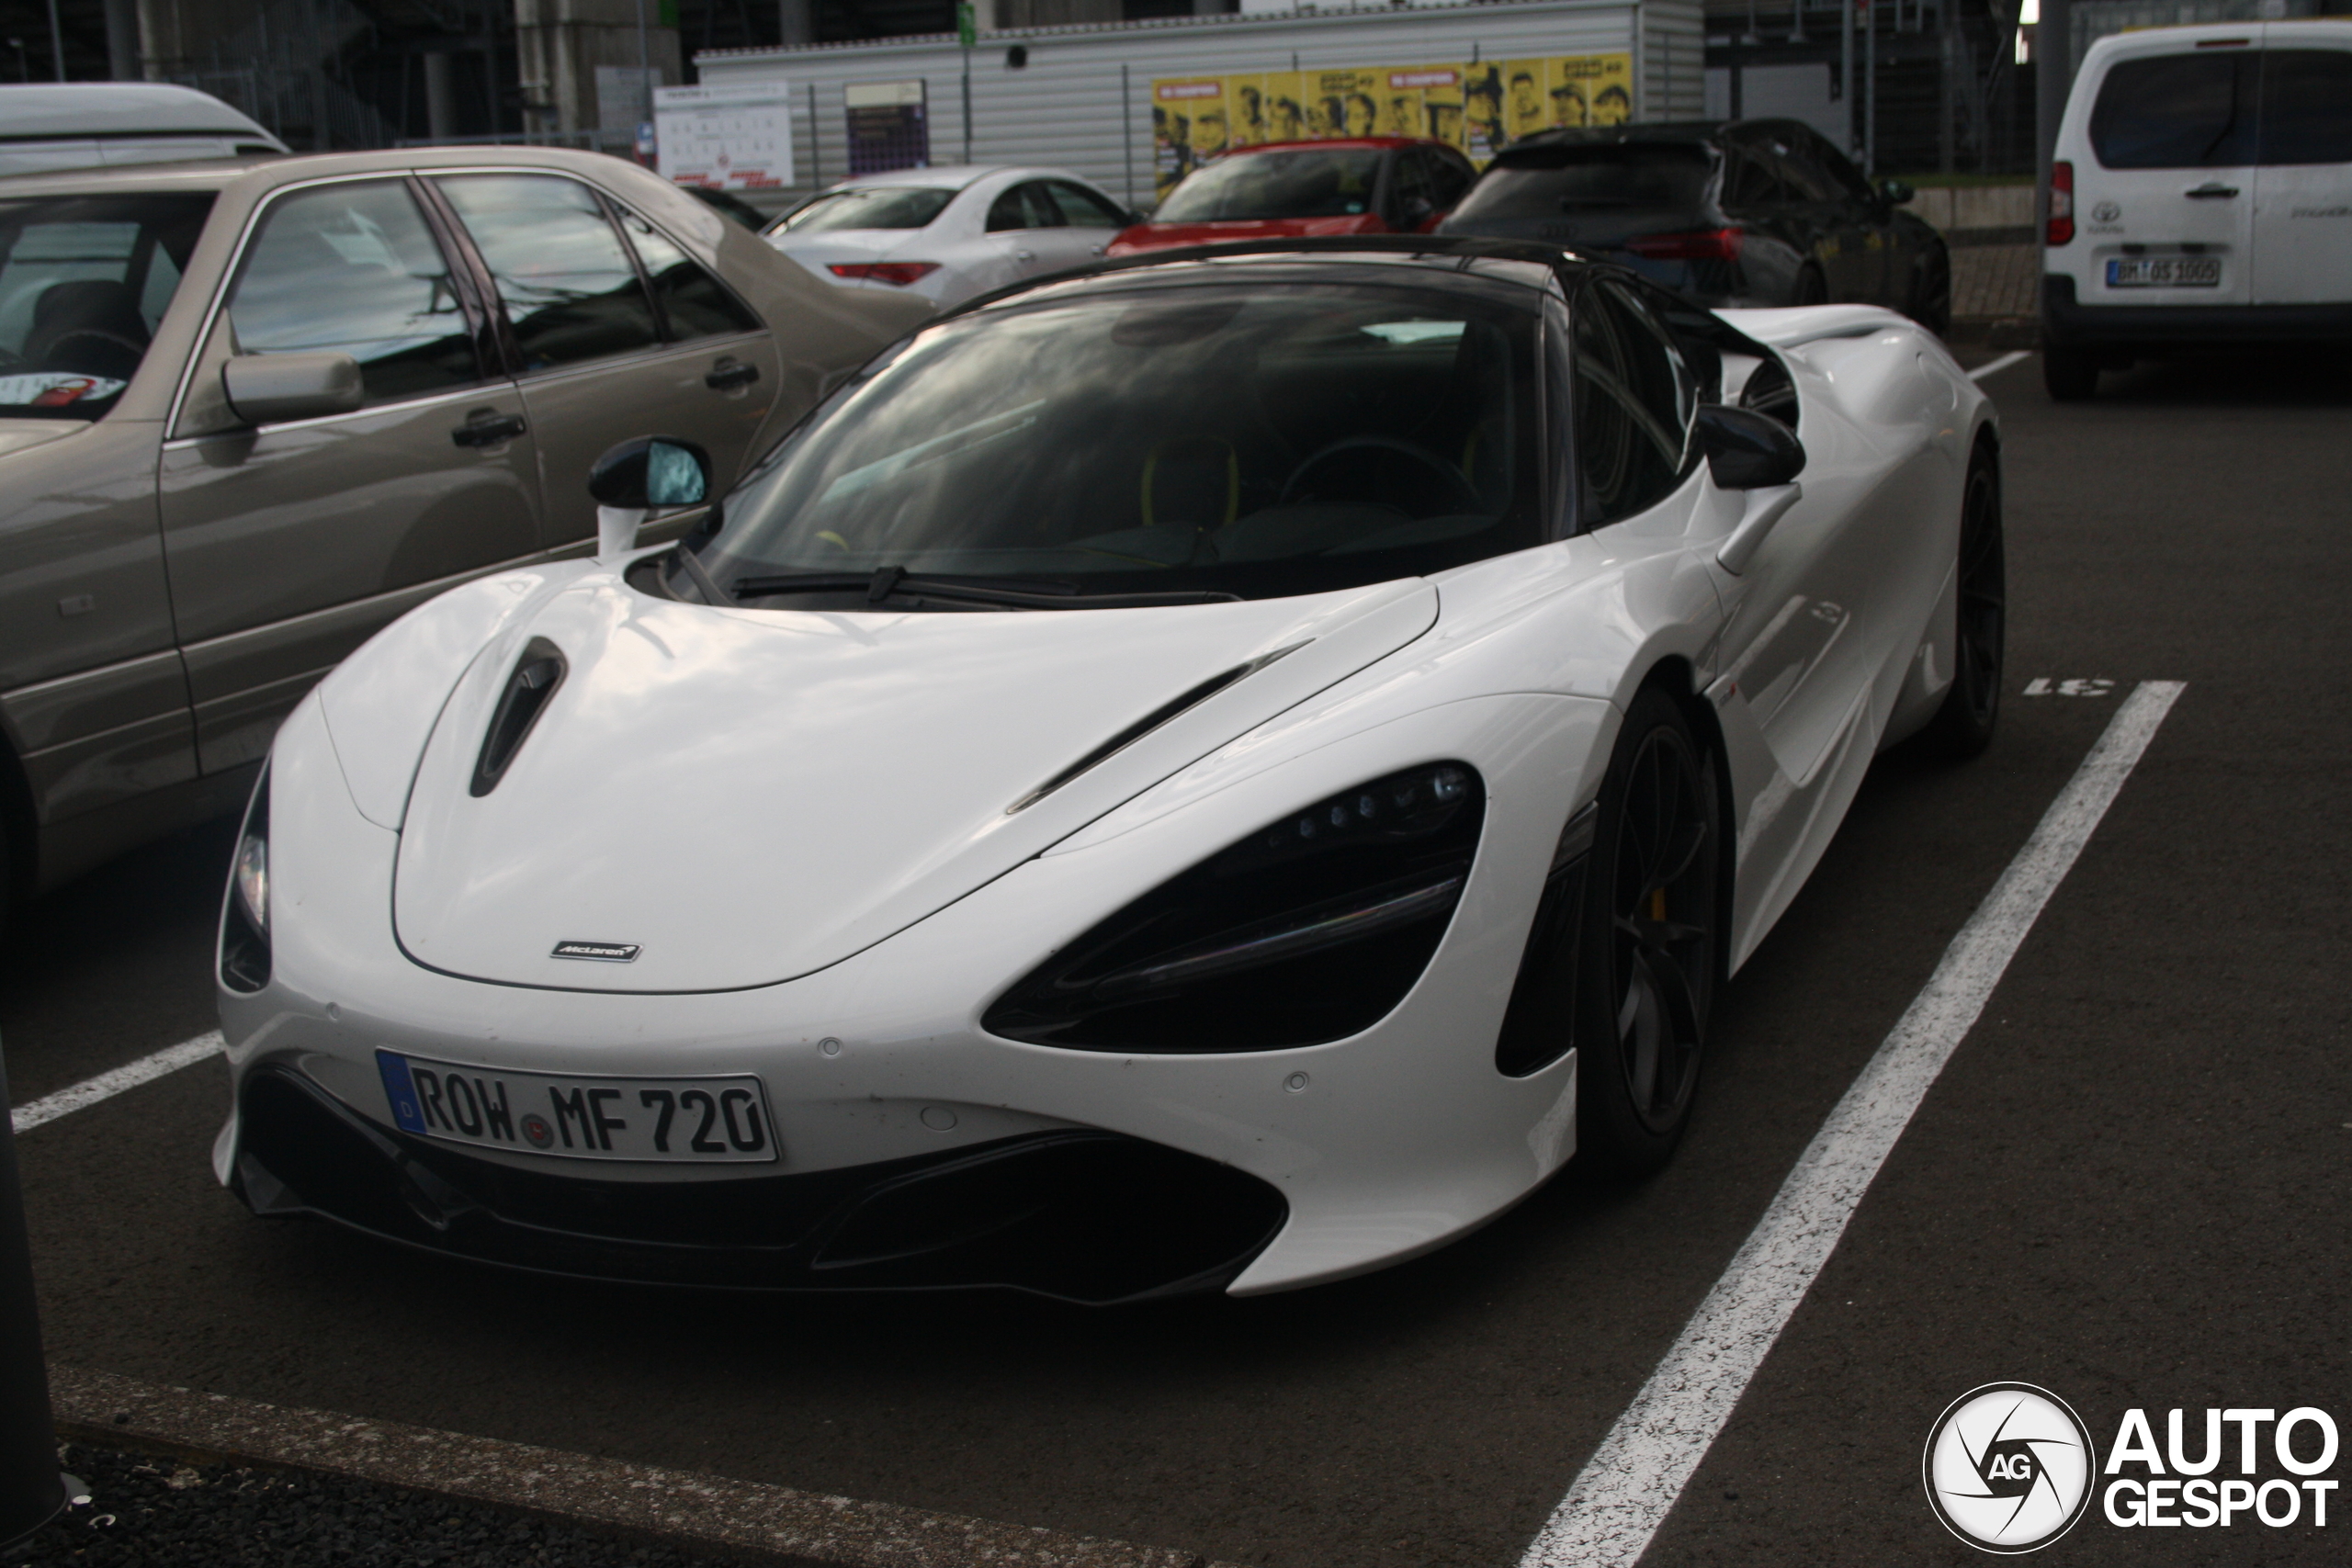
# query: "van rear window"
[2306,107]
[2177,111]
[2205,111]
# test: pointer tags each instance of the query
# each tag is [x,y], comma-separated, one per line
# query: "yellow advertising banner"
[1477,107]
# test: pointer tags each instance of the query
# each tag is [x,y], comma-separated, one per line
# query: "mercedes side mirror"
[1747,451]
[1894,193]
[637,478]
[270,389]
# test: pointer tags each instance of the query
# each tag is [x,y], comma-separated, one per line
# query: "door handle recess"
[1026,256]
[487,428]
[731,373]
[2210,192]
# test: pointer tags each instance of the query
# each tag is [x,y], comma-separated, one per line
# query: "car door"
[287,545]
[1093,220]
[615,332]
[2303,176]
[2165,199]
[1846,210]
[1027,228]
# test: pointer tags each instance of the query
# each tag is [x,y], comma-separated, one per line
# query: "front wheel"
[1964,725]
[1649,945]
[1930,303]
[1811,287]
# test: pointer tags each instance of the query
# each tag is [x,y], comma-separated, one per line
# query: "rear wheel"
[1964,725]
[2069,374]
[1648,950]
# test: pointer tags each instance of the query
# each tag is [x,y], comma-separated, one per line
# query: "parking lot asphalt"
[2129,1187]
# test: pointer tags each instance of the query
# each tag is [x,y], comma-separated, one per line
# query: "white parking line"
[1635,1477]
[1995,366]
[106,1085]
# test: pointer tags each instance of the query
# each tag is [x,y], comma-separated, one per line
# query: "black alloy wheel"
[1650,950]
[1964,725]
[1930,303]
[1811,287]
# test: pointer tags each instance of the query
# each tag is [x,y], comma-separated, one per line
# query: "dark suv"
[1744,212]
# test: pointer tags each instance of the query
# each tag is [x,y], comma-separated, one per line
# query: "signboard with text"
[733,136]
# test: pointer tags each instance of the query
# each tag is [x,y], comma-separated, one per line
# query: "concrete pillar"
[560,44]
[440,97]
[122,39]
[796,21]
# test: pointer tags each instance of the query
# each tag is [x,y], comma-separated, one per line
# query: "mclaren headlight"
[245,923]
[1310,929]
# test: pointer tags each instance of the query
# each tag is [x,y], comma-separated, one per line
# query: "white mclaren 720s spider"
[1216,772]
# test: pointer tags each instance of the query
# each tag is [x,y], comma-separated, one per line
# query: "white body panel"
[971,260]
[904,900]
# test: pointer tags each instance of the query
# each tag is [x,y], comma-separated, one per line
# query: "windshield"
[1544,182]
[1310,183]
[84,283]
[867,207]
[1212,438]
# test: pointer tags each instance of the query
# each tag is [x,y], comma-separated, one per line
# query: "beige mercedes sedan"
[251,413]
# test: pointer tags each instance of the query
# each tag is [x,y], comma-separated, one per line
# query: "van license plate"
[2165,272]
[721,1120]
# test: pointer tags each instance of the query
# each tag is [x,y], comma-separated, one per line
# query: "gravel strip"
[146,1512]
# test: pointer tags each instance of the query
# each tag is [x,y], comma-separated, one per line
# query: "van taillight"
[2062,204]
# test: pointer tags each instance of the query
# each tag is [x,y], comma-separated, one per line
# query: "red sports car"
[1357,184]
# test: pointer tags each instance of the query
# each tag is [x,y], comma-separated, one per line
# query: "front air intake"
[535,678]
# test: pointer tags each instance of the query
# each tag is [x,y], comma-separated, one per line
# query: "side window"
[1627,457]
[1411,202]
[1806,180]
[355,267]
[694,303]
[1450,178]
[1846,179]
[1025,206]
[569,288]
[2307,105]
[1657,374]
[1750,178]
[1084,209]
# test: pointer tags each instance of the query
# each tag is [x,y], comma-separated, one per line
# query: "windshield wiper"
[1036,593]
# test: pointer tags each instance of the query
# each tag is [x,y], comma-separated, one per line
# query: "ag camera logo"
[2008,1467]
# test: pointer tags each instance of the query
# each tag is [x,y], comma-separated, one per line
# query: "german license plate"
[2164,272]
[712,1120]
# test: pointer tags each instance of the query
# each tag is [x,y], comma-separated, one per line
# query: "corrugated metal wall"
[1063,107]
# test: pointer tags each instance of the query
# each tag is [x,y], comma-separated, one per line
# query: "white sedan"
[948,235]
[1207,775]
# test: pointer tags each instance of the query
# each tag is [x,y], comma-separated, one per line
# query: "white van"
[2201,194]
[45,127]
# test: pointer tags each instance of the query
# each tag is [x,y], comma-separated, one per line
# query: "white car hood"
[747,796]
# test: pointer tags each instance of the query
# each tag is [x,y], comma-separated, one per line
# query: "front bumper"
[1079,1216]
[2066,323]
[1375,1148]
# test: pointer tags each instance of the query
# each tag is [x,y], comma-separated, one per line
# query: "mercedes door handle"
[488,427]
[731,373]
[1098,250]
[2209,191]
[1025,255]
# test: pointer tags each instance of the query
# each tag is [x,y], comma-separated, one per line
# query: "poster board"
[889,126]
[733,136]
[1478,108]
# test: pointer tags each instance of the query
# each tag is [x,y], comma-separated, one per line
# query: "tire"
[1647,951]
[1963,726]
[1811,287]
[2069,374]
[1930,303]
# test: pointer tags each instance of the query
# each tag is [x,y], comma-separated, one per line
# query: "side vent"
[537,675]
[1147,724]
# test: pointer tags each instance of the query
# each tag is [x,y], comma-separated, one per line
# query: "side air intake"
[536,676]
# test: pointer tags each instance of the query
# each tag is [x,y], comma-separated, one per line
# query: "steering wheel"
[1451,476]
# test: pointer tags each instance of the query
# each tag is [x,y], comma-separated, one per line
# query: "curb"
[748,1521]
